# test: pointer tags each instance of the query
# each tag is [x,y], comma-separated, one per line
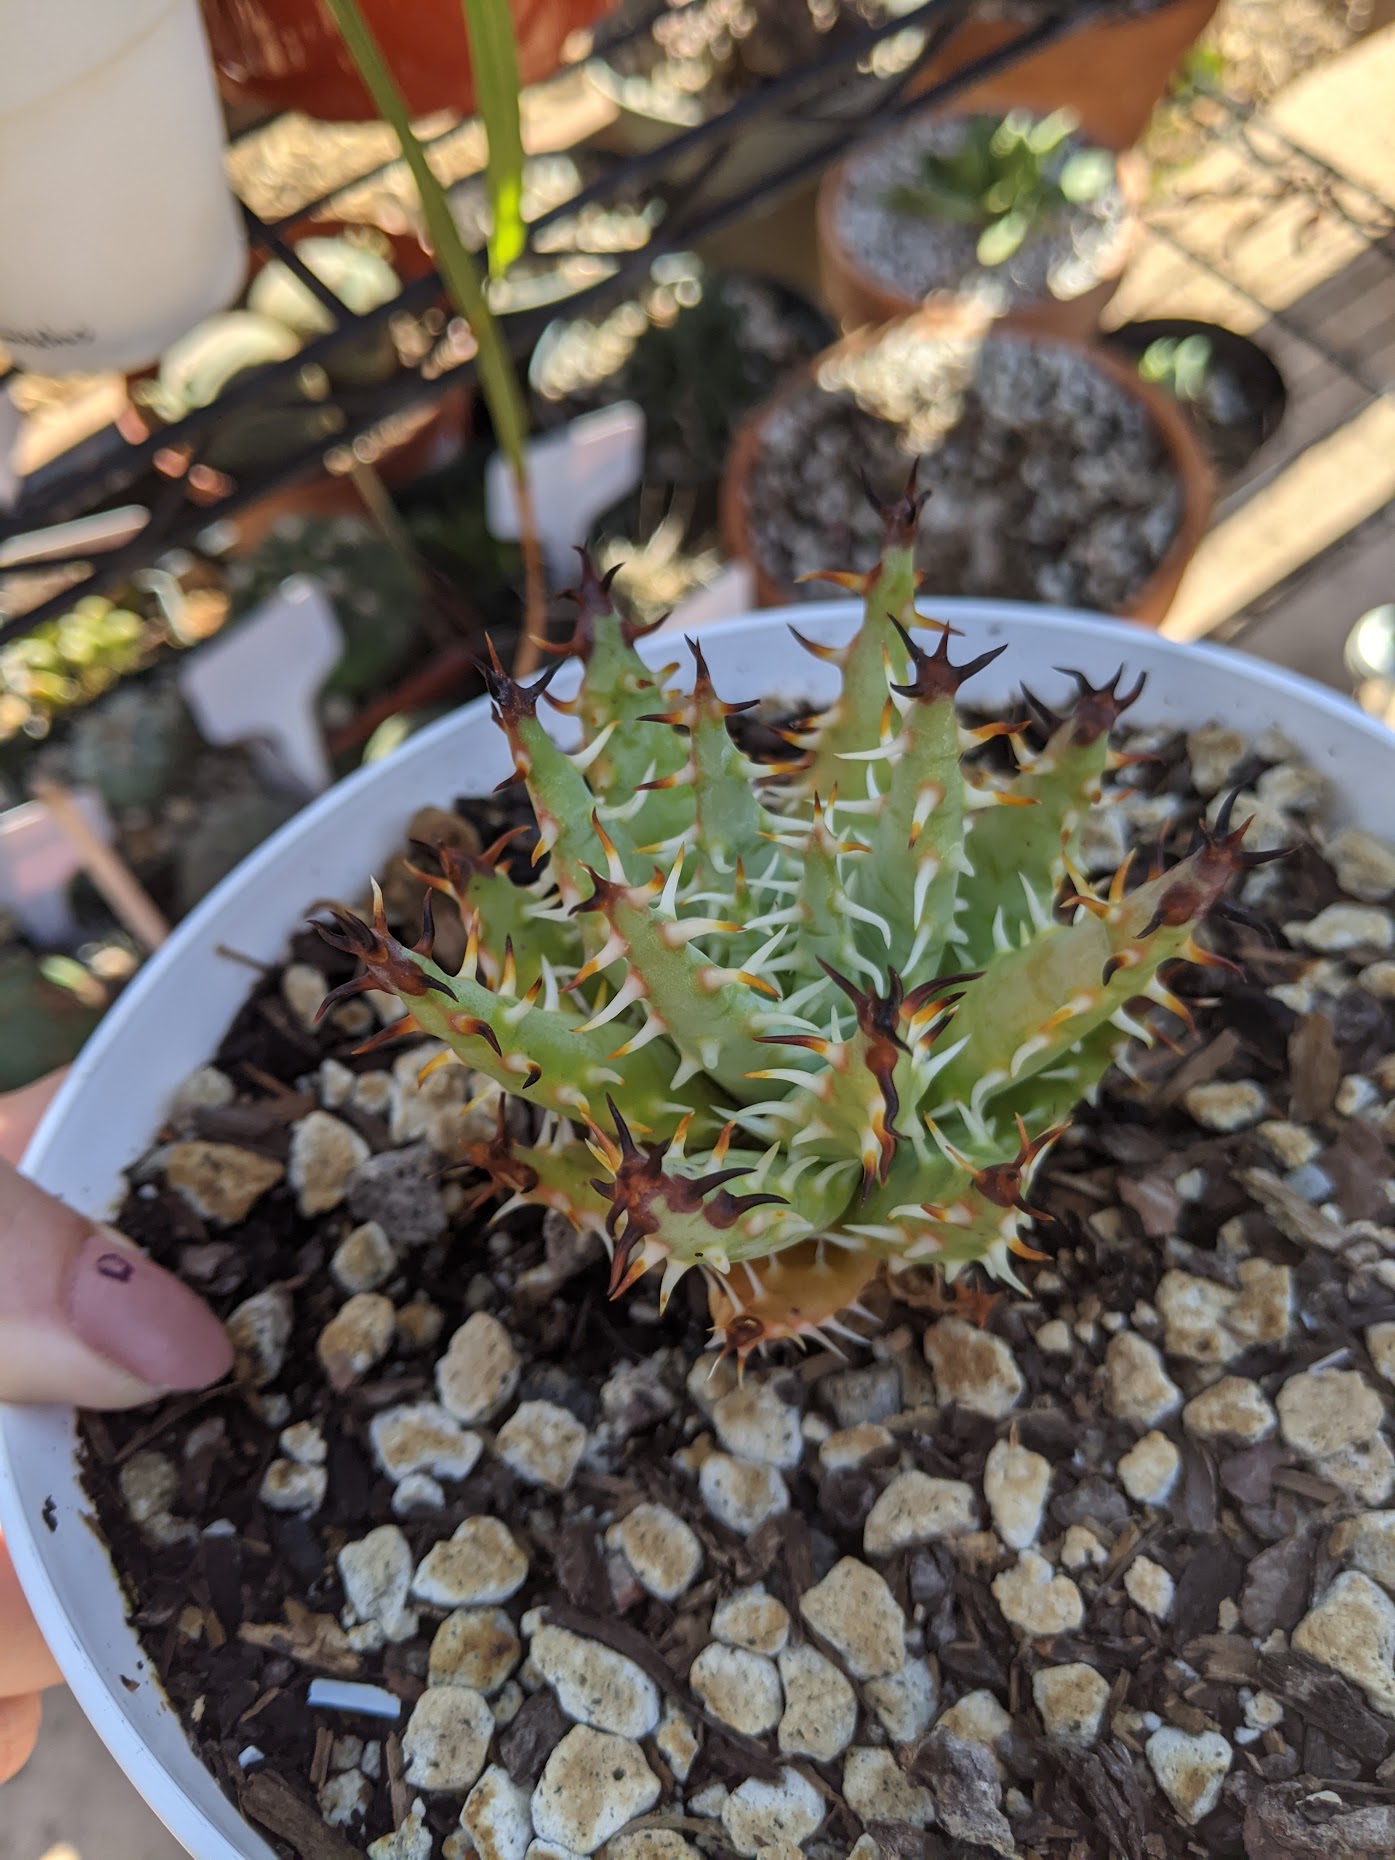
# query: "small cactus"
[790,1025]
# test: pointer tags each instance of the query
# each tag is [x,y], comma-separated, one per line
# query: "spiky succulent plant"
[786,1024]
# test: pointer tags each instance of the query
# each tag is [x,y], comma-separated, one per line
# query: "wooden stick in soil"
[108,871]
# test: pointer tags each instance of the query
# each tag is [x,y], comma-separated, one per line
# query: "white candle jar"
[118,230]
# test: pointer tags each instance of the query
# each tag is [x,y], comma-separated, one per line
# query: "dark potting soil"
[1175,1549]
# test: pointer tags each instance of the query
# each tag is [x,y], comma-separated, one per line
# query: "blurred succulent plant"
[1007,177]
[68,662]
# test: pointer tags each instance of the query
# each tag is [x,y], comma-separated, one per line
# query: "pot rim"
[1190,466]
[36,1454]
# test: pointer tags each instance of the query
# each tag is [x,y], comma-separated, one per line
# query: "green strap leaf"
[494,57]
[498,378]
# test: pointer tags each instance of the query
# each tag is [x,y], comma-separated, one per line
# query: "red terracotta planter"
[1113,75]
[288,54]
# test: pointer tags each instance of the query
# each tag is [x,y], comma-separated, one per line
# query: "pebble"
[1378,979]
[973,1368]
[430,1105]
[820,1716]
[447,1739]
[741,1494]
[593,1783]
[854,1446]
[420,1437]
[1149,1470]
[474,1647]
[1137,1387]
[149,1485]
[1206,1322]
[677,1743]
[374,1093]
[650,1844]
[1191,1769]
[1072,1700]
[364,1259]
[1366,1473]
[1015,1483]
[917,1509]
[594,1685]
[710,1378]
[1293,1145]
[977,1718]
[1368,1543]
[856,1613]
[260,1330]
[419,1324]
[753,1619]
[905,1702]
[856,1396]
[1344,927]
[1215,753]
[400,1191]
[206,1088]
[1380,1344]
[1080,1548]
[325,1152]
[1233,1409]
[416,1493]
[376,1572]
[477,1376]
[303,990]
[1365,866]
[345,1798]
[290,1487]
[876,1788]
[1226,1104]
[1323,1411]
[359,1335]
[1149,1587]
[1035,1600]
[304,1443]
[220,1182]
[709,1800]
[763,1814]
[411,1840]
[660,1548]
[753,1423]
[740,1688]
[496,1816]
[1351,1628]
[480,1563]
[1054,1338]
[542,1443]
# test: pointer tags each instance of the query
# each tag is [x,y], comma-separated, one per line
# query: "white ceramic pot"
[118,229]
[171,1018]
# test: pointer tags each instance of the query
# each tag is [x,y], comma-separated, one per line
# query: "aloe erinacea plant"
[790,1025]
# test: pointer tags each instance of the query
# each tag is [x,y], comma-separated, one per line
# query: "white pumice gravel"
[820,1707]
[918,1509]
[752,1618]
[973,1368]
[591,1786]
[446,1739]
[594,1685]
[1072,1700]
[421,1437]
[664,1552]
[481,1563]
[742,1494]
[479,1372]
[325,1152]
[856,1613]
[753,1422]
[220,1182]
[740,1688]
[542,1443]
[1015,1483]
[1191,1769]
[1037,1601]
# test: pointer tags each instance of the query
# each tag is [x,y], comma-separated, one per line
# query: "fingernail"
[141,1318]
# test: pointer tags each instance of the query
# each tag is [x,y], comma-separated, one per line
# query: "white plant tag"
[37,864]
[258,683]
[576,474]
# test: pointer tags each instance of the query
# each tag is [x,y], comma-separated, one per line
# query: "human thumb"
[86,1319]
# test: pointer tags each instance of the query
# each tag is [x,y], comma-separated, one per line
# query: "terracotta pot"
[1188,458]
[857,298]
[1113,75]
[288,54]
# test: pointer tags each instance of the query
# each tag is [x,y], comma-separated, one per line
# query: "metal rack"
[685,174]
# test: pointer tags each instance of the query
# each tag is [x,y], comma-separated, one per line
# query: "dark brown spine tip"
[514,702]
[900,515]
[1097,709]
[469,1026]
[933,676]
